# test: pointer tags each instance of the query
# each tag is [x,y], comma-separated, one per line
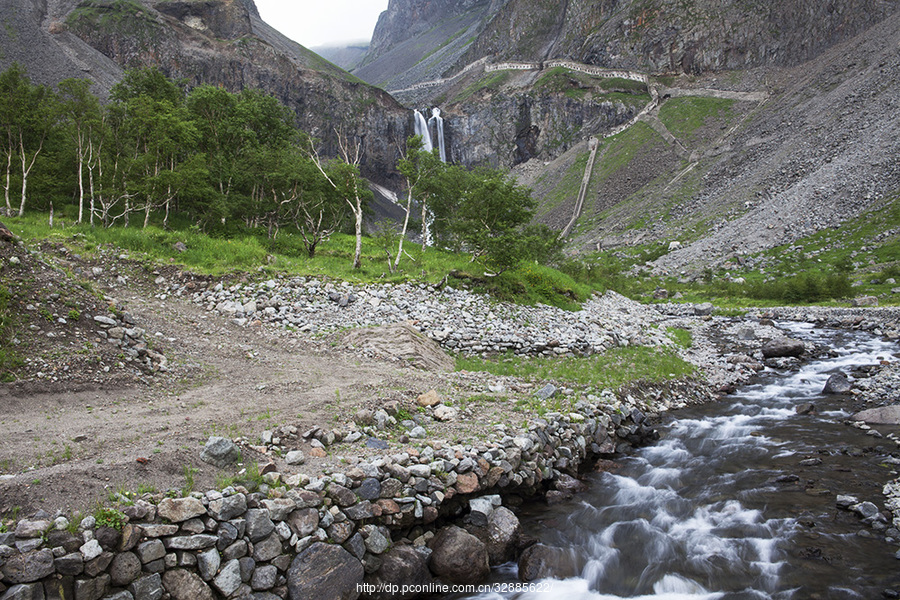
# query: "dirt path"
[72,448]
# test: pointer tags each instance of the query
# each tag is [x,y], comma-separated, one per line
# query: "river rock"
[184,585]
[220,452]
[401,566]
[837,384]
[325,572]
[500,536]
[458,556]
[540,561]
[782,347]
[884,415]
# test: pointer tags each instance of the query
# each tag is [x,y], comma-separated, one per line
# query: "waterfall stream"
[439,125]
[727,506]
[421,128]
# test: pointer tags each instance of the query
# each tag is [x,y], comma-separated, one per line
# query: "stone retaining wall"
[374,523]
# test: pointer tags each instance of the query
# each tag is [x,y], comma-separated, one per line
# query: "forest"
[235,163]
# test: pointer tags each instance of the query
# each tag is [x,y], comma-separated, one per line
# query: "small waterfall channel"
[736,502]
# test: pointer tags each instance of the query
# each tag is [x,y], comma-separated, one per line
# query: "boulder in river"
[403,566]
[458,556]
[883,415]
[781,347]
[837,384]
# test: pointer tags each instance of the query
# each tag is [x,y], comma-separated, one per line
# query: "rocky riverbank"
[383,486]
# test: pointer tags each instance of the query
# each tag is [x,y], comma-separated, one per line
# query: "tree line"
[228,162]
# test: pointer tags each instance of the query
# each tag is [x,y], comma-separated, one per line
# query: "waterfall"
[422,130]
[439,125]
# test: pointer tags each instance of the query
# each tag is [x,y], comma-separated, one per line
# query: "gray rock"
[837,384]
[93,589]
[546,392]
[69,564]
[866,510]
[401,566]
[418,433]
[376,541]
[32,529]
[865,301]
[884,415]
[458,556]
[220,452]
[229,578]
[147,588]
[177,510]
[844,501]
[28,567]
[267,548]
[264,578]
[259,525]
[806,408]
[540,561]
[184,585]
[503,533]
[341,495]
[325,572]
[191,542]
[279,508]
[229,507]
[120,595]
[356,545]
[124,569]
[208,564]
[295,457]
[377,444]
[150,550]
[24,591]
[480,511]
[360,511]
[248,565]
[703,309]
[782,347]
[369,489]
[303,521]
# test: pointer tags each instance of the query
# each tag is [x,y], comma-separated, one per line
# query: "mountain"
[216,42]
[756,124]
[346,56]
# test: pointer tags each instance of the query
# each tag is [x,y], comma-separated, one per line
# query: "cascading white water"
[439,125]
[710,513]
[422,130]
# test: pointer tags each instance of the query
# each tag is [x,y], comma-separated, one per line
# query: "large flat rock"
[883,415]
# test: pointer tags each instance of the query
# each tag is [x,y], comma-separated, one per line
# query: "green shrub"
[110,517]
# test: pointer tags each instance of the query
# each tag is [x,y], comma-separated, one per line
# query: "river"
[733,501]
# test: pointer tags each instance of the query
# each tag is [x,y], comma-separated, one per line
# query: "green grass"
[491,81]
[612,370]
[684,116]
[575,84]
[286,255]
[682,337]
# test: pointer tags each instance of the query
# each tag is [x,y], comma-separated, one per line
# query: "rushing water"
[722,508]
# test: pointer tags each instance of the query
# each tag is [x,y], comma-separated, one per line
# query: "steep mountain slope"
[417,39]
[217,42]
[759,122]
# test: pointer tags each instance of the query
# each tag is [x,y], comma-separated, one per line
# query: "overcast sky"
[322,22]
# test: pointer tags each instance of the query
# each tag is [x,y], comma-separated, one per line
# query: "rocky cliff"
[216,42]
[658,36]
